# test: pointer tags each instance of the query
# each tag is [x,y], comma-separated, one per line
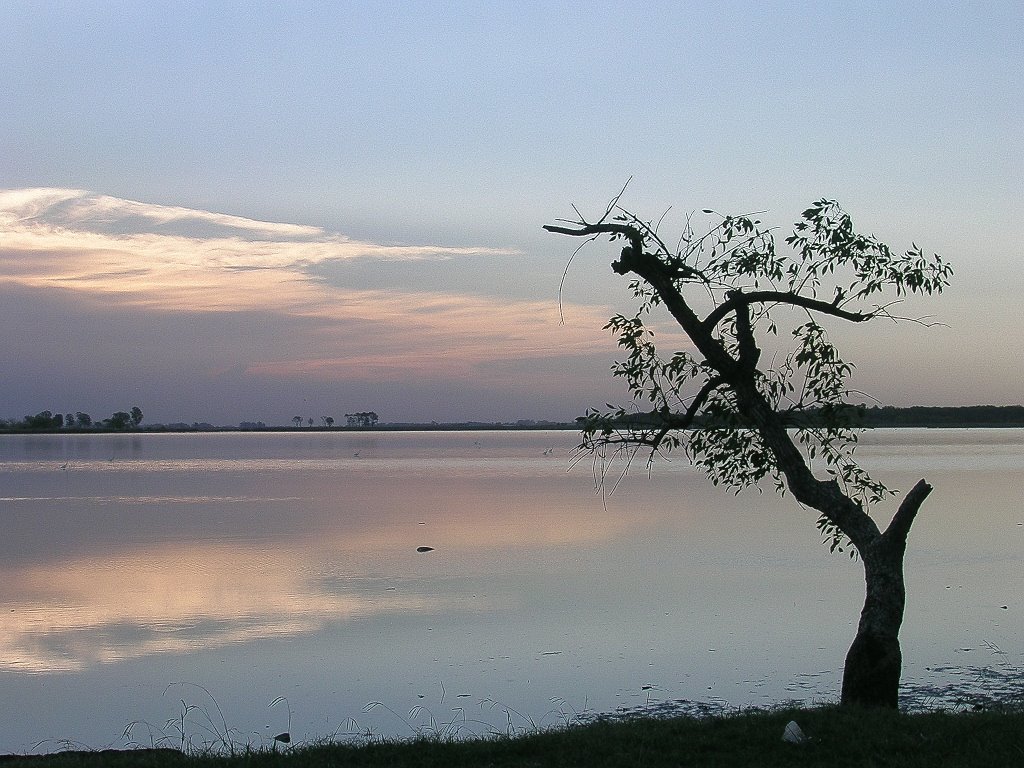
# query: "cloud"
[136,257]
[175,258]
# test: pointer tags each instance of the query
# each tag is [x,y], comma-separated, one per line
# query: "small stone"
[793,733]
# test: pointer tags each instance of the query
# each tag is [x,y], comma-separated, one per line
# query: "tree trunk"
[874,662]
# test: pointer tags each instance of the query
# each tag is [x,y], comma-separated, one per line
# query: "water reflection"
[267,565]
[254,548]
[69,616]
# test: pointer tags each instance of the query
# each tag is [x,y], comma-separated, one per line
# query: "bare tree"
[788,420]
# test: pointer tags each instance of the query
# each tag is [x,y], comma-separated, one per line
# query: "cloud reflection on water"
[260,548]
[69,616]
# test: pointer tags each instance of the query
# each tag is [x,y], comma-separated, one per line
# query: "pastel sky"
[250,211]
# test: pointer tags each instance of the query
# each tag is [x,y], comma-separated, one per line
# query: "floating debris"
[959,688]
[424,549]
[284,738]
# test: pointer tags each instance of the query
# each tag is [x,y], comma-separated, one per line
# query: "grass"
[838,737]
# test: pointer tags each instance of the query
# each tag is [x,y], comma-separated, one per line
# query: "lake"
[247,584]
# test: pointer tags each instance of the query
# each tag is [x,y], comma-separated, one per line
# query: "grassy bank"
[837,738]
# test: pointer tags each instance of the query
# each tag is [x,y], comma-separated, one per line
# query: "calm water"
[280,573]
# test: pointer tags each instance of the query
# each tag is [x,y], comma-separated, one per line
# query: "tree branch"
[661,277]
[899,526]
[748,351]
[672,266]
[685,420]
[737,299]
[628,231]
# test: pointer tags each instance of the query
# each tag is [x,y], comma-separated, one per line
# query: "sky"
[230,212]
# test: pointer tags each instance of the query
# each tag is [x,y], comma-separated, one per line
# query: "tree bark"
[874,662]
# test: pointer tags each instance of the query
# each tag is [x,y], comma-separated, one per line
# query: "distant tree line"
[916,416]
[939,416]
[875,416]
[363,419]
[47,421]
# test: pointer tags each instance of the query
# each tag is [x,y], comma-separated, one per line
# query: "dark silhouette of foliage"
[43,420]
[119,420]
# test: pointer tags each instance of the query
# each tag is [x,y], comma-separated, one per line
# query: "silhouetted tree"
[362,419]
[726,288]
[83,419]
[120,420]
[329,421]
[43,420]
[136,414]
[297,420]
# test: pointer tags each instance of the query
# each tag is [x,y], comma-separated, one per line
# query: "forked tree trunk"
[874,662]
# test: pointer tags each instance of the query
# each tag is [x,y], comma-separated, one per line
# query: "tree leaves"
[828,245]
[735,266]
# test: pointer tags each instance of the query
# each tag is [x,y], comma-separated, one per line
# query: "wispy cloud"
[175,258]
[167,259]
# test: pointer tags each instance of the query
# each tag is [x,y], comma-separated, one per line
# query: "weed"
[197,729]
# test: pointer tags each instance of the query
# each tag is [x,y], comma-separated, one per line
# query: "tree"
[136,414]
[120,420]
[83,419]
[785,420]
[362,419]
[329,421]
[297,420]
[43,420]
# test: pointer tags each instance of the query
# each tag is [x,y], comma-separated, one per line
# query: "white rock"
[793,734]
